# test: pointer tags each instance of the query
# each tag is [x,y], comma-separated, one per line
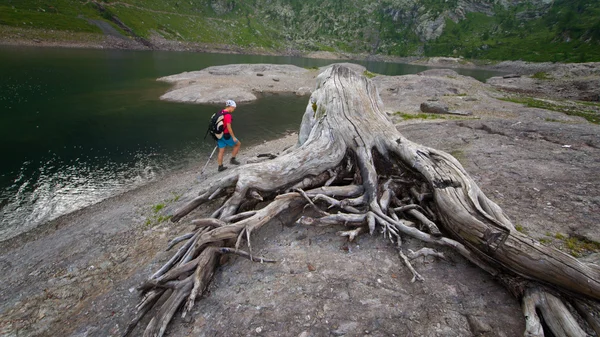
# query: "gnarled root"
[425,252]
[416,276]
[553,313]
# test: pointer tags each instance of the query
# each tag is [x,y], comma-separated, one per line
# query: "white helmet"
[230,103]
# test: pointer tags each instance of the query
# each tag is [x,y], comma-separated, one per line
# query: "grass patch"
[369,74]
[407,116]
[589,103]
[157,208]
[574,245]
[48,35]
[542,76]
[552,120]
[155,218]
[520,228]
[459,155]
[581,246]
[456,95]
[60,15]
[589,115]
[163,218]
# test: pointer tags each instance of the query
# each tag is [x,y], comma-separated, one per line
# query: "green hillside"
[528,30]
[569,32]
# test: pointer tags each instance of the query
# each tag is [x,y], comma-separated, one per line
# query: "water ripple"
[46,190]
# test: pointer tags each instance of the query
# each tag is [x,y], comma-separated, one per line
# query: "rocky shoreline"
[22,37]
[76,276]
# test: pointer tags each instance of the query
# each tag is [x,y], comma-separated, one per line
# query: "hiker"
[228,138]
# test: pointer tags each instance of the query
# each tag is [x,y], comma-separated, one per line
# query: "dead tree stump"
[351,158]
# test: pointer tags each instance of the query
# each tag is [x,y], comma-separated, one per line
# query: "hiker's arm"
[231,132]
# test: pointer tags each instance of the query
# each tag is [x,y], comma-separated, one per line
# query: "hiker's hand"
[235,140]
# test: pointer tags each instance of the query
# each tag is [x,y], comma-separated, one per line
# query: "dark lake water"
[78,126]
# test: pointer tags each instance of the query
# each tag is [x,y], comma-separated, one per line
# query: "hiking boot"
[234,161]
[222,168]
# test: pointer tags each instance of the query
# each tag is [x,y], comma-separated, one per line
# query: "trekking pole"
[209,158]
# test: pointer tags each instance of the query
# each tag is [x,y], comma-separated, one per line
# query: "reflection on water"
[45,190]
[147,141]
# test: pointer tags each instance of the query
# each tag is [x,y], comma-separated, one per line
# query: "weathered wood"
[204,272]
[555,314]
[585,311]
[425,252]
[416,275]
[431,227]
[478,222]
[158,324]
[348,191]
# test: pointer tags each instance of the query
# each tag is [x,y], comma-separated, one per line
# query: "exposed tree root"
[553,312]
[353,168]
[416,275]
[425,252]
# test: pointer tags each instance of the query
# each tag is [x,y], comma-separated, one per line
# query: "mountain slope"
[534,30]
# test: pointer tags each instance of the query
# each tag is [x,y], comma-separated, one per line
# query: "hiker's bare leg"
[220,156]
[236,149]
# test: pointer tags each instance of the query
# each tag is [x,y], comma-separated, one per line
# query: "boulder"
[435,107]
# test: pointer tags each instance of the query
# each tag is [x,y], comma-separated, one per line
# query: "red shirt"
[226,120]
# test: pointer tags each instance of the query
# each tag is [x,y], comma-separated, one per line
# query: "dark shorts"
[221,143]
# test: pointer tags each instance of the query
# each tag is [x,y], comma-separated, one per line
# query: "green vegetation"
[8,32]
[567,31]
[520,228]
[157,208]
[173,20]
[369,74]
[458,155]
[58,15]
[589,103]
[571,110]
[156,218]
[576,246]
[408,116]
[542,76]
[581,246]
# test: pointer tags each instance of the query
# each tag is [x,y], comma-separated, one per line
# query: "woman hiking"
[228,138]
